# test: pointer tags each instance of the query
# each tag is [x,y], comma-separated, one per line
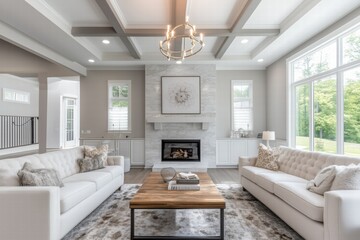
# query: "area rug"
[245,218]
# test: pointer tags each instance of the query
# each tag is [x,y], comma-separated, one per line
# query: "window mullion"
[340,114]
[311,117]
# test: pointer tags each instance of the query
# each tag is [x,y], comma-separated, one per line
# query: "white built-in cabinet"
[228,151]
[137,152]
[132,149]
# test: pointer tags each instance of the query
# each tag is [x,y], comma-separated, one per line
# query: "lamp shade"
[268,135]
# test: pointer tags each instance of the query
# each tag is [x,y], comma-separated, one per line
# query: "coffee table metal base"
[133,237]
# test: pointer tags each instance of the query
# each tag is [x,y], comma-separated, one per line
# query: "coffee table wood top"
[154,194]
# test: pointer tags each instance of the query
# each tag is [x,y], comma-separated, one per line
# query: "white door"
[69,121]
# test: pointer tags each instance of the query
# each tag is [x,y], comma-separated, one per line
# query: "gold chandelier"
[181,42]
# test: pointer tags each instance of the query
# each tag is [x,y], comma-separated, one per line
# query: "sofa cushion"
[115,171]
[64,161]
[250,172]
[99,178]
[296,195]
[74,192]
[268,180]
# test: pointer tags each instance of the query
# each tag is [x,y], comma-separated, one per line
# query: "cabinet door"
[237,148]
[123,148]
[137,152]
[253,148]
[222,152]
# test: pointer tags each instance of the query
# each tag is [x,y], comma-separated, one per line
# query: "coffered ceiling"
[237,32]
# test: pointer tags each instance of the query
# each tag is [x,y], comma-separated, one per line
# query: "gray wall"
[21,84]
[223,105]
[94,102]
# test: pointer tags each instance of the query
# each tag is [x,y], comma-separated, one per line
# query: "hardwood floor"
[218,175]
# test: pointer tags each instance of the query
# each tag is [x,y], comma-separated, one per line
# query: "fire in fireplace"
[180,150]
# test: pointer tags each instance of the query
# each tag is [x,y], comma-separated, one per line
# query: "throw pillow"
[88,164]
[323,180]
[102,150]
[29,176]
[347,179]
[267,158]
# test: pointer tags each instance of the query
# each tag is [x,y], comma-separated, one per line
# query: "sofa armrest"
[246,161]
[341,215]
[31,213]
[116,160]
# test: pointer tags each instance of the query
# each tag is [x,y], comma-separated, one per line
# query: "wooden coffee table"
[154,194]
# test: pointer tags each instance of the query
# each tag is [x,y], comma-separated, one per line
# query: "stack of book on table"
[185,182]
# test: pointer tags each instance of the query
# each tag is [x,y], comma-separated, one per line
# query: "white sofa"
[334,216]
[49,213]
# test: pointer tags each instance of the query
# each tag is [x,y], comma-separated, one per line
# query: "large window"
[119,118]
[242,104]
[324,87]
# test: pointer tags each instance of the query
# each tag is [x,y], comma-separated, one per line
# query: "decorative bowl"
[168,174]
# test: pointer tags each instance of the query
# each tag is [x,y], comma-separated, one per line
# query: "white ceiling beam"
[110,32]
[290,20]
[109,12]
[19,39]
[243,17]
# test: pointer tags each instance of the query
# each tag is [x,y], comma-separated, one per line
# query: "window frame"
[111,84]
[337,36]
[251,98]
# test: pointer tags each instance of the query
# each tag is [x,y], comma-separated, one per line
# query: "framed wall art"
[180,95]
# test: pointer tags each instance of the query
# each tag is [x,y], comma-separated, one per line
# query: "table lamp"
[268,135]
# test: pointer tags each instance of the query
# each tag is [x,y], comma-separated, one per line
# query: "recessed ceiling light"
[260,60]
[105,41]
[91,60]
[178,62]
[244,41]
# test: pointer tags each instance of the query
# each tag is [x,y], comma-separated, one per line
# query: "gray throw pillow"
[88,164]
[347,179]
[322,181]
[29,176]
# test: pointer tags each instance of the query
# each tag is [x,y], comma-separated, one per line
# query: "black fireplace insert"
[180,150]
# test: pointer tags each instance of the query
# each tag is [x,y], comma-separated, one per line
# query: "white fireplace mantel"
[203,119]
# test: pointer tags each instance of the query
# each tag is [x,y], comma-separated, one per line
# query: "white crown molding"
[21,40]
[47,11]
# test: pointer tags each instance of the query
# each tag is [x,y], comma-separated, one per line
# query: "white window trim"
[119,82]
[250,83]
[5,90]
[338,71]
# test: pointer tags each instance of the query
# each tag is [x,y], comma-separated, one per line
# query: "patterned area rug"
[245,218]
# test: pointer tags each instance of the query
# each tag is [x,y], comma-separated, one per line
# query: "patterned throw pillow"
[29,176]
[88,164]
[267,158]
[101,151]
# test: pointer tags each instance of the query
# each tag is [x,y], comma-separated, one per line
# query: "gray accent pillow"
[29,176]
[323,180]
[88,164]
[347,179]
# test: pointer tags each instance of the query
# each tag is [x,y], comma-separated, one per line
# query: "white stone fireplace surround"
[195,126]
